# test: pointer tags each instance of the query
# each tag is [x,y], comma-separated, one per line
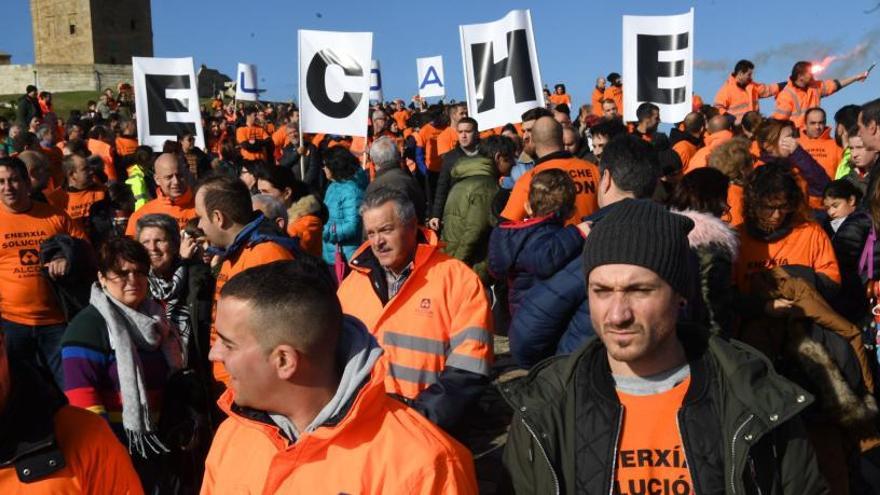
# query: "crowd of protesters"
[697,312]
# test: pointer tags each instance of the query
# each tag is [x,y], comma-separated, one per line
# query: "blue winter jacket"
[553,316]
[534,249]
[343,225]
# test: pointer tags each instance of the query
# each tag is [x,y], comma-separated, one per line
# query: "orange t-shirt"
[824,150]
[247,257]
[244,134]
[685,150]
[735,201]
[651,457]
[584,174]
[182,209]
[279,139]
[105,151]
[56,172]
[401,116]
[27,298]
[126,145]
[807,245]
[560,99]
[447,140]
[76,203]
[428,135]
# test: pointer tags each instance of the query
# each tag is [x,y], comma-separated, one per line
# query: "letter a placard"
[167,100]
[502,79]
[658,62]
[431,81]
[334,81]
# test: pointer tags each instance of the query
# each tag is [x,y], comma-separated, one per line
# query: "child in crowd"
[840,199]
[541,244]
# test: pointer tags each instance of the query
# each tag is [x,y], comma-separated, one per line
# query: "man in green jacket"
[653,406]
[467,218]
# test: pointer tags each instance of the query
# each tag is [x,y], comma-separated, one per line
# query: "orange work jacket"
[793,102]
[737,101]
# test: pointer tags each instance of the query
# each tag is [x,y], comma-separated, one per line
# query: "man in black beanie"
[654,406]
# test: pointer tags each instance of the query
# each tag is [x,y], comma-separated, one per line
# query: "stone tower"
[87,32]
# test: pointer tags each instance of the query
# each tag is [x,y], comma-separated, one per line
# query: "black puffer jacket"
[848,243]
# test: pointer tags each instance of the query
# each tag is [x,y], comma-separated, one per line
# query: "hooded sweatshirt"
[362,441]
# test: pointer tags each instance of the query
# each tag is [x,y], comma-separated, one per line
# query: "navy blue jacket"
[553,317]
[522,252]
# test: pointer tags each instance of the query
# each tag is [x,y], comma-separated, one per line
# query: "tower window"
[73,29]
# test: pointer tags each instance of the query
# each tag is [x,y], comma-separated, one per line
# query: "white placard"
[334,81]
[658,62]
[167,100]
[375,81]
[246,83]
[432,82]
[502,78]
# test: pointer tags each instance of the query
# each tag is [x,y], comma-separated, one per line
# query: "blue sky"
[576,40]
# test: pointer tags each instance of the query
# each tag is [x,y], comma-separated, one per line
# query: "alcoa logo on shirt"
[424,308]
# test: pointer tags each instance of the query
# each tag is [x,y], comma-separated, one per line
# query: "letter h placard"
[517,66]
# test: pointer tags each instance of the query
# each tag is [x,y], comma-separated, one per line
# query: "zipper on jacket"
[684,449]
[733,453]
[616,448]
[543,453]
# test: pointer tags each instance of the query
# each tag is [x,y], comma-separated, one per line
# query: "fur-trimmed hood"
[711,230]
[307,205]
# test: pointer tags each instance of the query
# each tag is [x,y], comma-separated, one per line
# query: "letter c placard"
[317,89]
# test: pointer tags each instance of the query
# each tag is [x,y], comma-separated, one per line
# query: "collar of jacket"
[676,135]
[556,155]
[717,138]
[360,398]
[27,426]
[259,230]
[364,261]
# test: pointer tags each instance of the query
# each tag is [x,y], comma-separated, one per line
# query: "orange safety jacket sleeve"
[468,362]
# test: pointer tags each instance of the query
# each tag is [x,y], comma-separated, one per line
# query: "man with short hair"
[610,110]
[689,139]
[869,124]
[648,115]
[817,141]
[803,91]
[547,137]
[718,132]
[428,310]
[79,192]
[246,238]
[307,408]
[32,318]
[467,146]
[28,107]
[390,173]
[447,139]
[174,194]
[653,402]
[555,316]
[739,95]
[271,208]
[601,134]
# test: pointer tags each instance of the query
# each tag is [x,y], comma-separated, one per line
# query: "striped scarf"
[171,293]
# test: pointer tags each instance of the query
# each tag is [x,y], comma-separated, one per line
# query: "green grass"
[62,102]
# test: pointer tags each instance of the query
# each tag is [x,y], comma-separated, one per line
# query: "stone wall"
[63,78]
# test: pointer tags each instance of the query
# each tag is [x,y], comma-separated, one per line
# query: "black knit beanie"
[641,232]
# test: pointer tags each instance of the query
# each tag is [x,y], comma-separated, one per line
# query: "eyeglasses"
[126,275]
[768,209]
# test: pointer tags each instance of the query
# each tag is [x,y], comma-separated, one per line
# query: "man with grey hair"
[272,209]
[390,174]
[428,310]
